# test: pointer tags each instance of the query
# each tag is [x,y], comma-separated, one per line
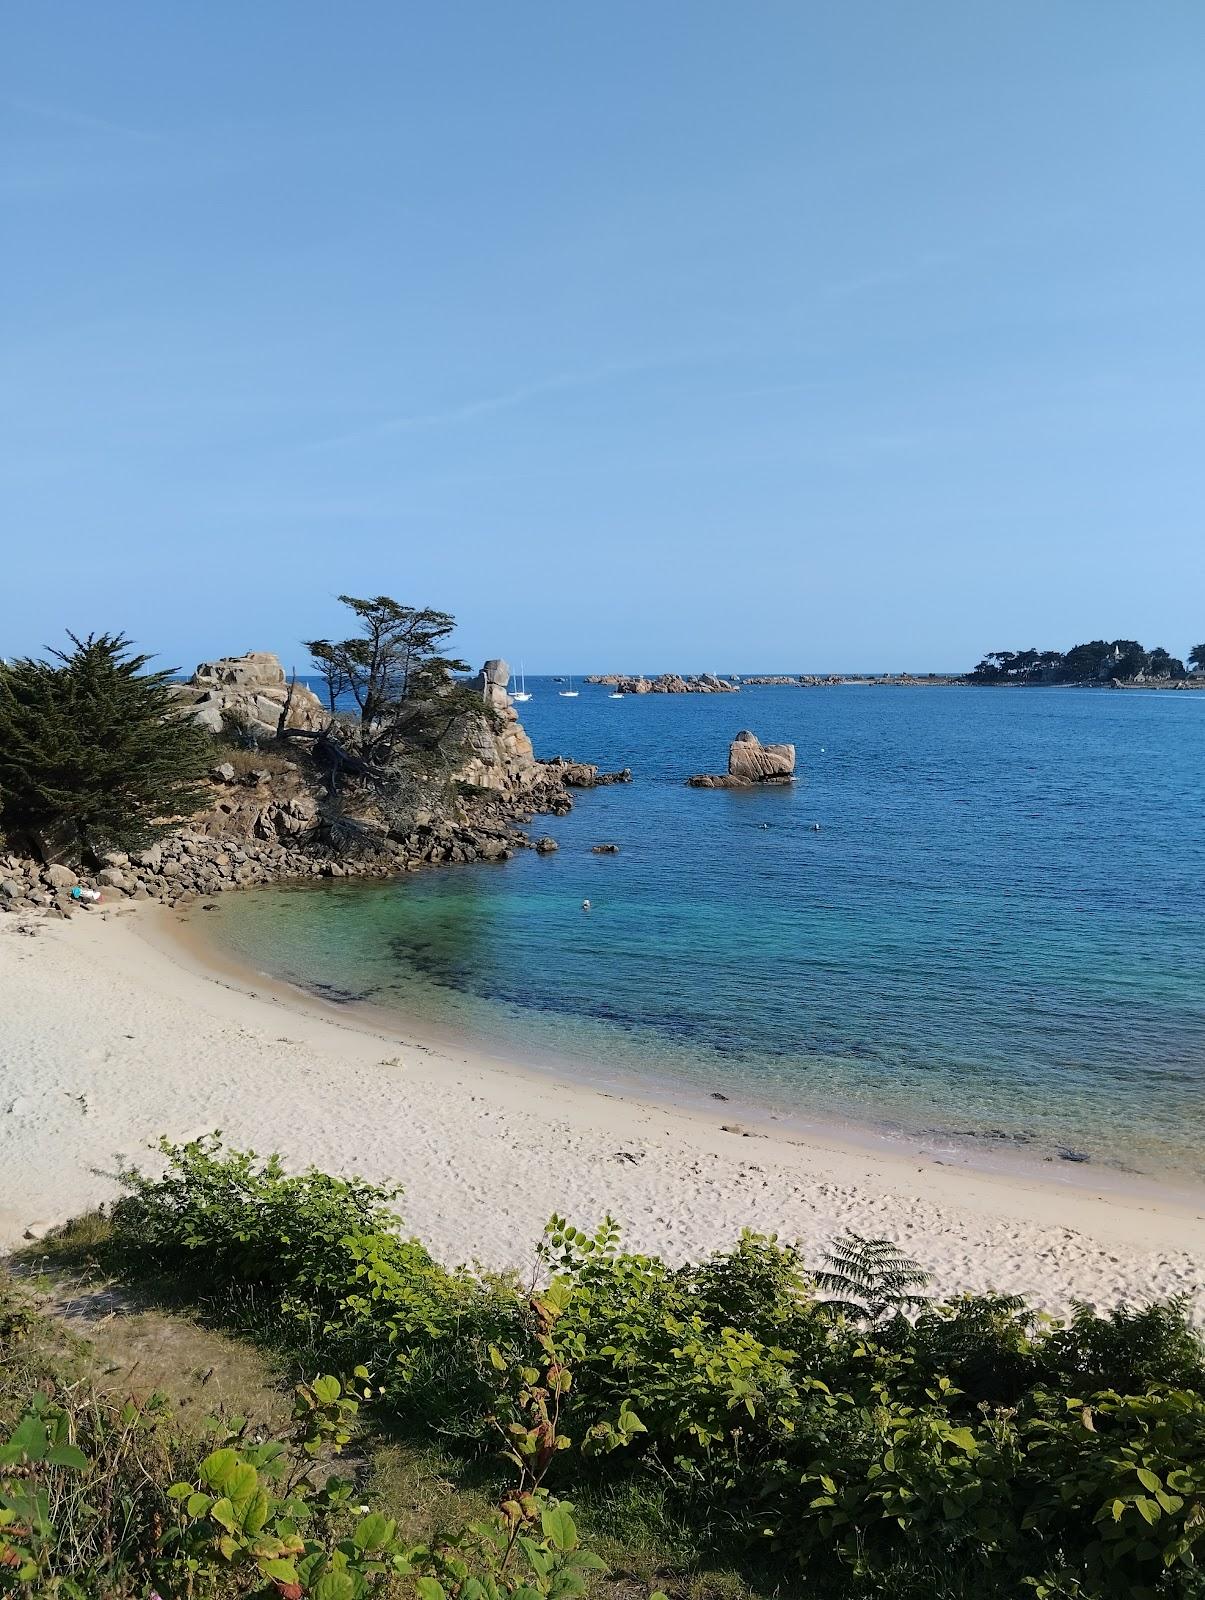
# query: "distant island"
[1121,663]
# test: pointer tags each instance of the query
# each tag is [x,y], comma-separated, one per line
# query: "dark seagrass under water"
[997,935]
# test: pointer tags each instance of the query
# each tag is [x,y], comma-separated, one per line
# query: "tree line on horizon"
[1097,661]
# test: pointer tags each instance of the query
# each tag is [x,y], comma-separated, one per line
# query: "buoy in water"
[585,905]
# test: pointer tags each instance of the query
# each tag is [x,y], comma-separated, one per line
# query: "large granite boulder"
[491,684]
[250,693]
[762,763]
[749,763]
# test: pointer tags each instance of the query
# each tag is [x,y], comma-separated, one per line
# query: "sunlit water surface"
[996,939]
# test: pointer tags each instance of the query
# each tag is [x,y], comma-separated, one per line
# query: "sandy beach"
[113,1031]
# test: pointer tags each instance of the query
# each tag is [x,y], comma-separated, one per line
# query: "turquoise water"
[995,940]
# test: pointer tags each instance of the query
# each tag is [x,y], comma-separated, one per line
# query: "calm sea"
[995,940]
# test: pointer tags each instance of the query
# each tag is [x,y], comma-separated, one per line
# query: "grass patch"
[275,757]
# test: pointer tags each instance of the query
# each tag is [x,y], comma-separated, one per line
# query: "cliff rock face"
[500,756]
[248,691]
[749,758]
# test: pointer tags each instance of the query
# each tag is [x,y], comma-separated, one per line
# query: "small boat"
[567,694]
[616,694]
[521,692]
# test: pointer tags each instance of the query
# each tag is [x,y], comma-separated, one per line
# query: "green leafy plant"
[836,1429]
[36,1452]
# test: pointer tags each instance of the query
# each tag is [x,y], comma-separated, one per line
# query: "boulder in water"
[760,763]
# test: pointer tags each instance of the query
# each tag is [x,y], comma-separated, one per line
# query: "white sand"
[111,1034]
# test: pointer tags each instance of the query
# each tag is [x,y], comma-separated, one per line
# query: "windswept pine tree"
[394,669]
[93,750]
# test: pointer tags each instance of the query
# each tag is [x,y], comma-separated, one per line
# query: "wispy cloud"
[488,405]
[70,117]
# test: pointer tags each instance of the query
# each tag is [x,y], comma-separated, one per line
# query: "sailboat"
[521,692]
[570,693]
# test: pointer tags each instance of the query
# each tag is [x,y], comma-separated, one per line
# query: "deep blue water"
[998,932]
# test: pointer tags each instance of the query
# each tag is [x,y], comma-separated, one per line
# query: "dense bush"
[837,1438]
[317,1262]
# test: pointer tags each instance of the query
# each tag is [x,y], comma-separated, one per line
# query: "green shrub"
[846,1446]
[318,1262]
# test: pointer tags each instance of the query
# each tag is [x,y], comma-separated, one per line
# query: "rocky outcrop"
[268,817]
[249,694]
[583,774]
[761,763]
[499,756]
[666,683]
[750,763]
[491,684]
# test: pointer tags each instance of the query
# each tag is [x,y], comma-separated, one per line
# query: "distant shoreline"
[630,682]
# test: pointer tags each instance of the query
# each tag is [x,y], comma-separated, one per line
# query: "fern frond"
[868,1277]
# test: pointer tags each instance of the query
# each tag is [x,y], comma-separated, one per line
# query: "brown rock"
[749,758]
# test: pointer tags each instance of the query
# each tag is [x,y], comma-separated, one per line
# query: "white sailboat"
[570,693]
[520,693]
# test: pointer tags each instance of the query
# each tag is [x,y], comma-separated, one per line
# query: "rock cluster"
[667,683]
[189,864]
[750,763]
[582,774]
[249,693]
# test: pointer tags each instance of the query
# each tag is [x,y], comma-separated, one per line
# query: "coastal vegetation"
[93,756]
[1098,661]
[826,1431]
[394,660]
[102,757]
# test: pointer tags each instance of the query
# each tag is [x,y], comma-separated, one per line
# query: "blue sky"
[784,335]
